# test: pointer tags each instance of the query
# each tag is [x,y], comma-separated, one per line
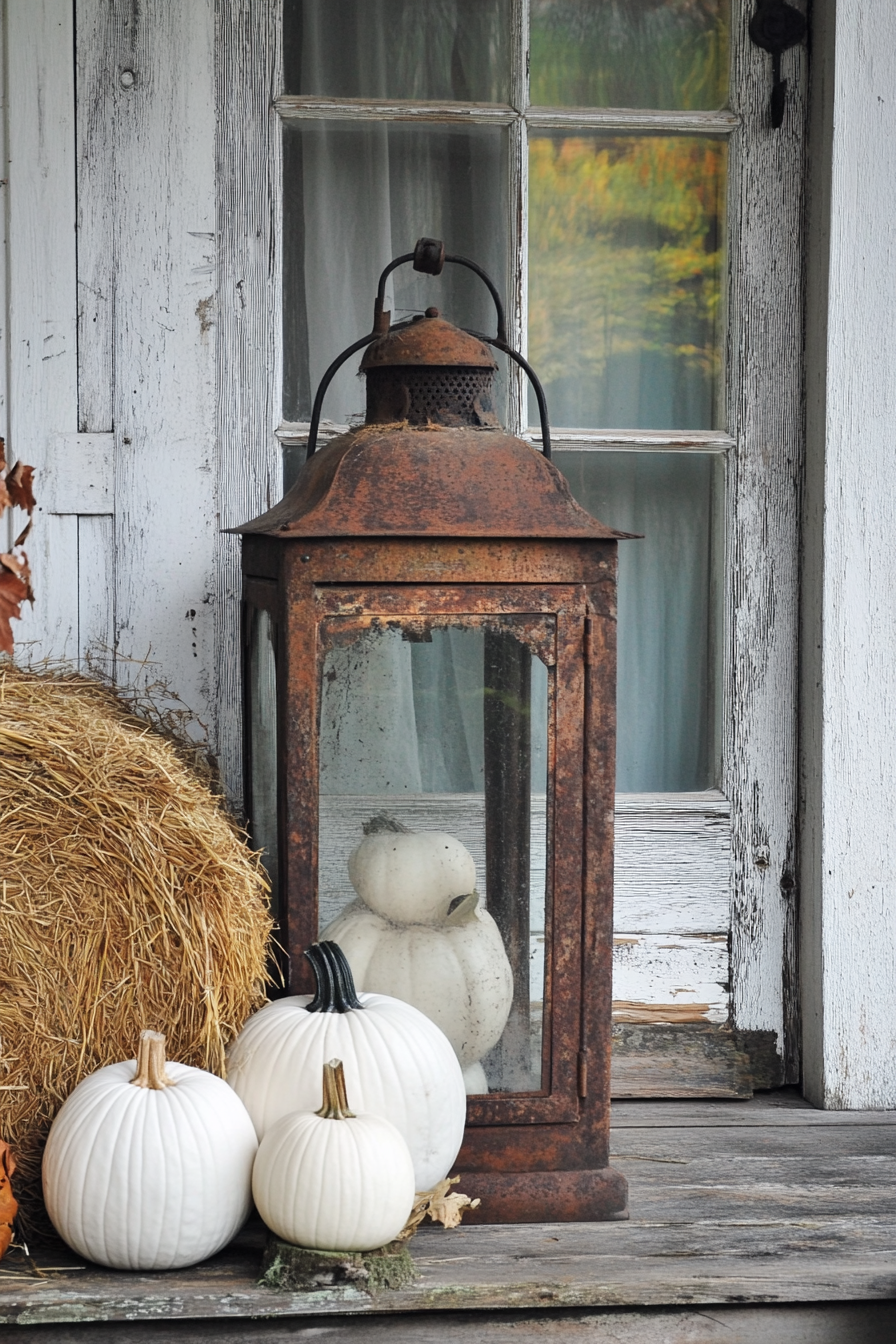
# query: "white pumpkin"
[401,1065]
[149,1166]
[410,877]
[333,1180]
[456,971]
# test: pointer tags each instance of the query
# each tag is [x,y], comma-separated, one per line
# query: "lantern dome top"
[428,340]
[400,481]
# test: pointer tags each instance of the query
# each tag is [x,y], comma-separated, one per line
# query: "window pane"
[668,593]
[445,731]
[355,196]
[456,50]
[629,53]
[625,279]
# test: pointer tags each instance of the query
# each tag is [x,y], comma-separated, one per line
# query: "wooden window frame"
[753,949]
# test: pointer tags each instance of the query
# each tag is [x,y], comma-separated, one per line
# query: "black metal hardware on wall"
[776,27]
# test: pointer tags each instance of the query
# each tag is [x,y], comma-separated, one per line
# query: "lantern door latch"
[776,27]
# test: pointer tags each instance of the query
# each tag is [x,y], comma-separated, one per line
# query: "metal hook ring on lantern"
[429,257]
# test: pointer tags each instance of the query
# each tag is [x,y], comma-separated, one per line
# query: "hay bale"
[128,900]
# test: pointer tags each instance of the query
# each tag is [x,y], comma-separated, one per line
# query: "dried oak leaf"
[18,484]
[441,1204]
[8,1205]
[13,592]
[5,501]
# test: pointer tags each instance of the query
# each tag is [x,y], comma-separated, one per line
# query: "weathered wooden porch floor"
[753,1220]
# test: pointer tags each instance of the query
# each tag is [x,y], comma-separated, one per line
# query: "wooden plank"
[672,863]
[97,31]
[832,1323]
[42,328]
[764,410]
[849,925]
[780,1110]
[250,338]
[690,1060]
[666,978]
[79,474]
[96,589]
[163,244]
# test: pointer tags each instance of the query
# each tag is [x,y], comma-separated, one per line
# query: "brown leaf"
[441,1206]
[2,453]
[8,1205]
[13,593]
[5,501]
[449,1210]
[18,483]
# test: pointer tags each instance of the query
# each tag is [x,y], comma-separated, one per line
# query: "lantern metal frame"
[352,548]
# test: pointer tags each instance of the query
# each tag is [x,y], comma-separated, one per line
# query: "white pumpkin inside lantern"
[418,931]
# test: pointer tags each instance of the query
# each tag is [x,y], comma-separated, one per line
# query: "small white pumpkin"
[333,1180]
[410,877]
[149,1166]
[401,1065]
[456,971]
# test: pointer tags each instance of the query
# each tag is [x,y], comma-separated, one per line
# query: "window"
[613,166]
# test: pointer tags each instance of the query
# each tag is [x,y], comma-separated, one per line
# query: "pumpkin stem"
[461,908]
[384,821]
[335,1104]
[151,1062]
[334,983]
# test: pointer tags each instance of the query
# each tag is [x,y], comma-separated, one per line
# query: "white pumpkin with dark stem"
[333,1180]
[400,1064]
[149,1164]
[418,931]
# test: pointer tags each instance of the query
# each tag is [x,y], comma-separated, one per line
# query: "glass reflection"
[262,774]
[433,771]
[625,279]
[355,196]
[629,53]
[456,50]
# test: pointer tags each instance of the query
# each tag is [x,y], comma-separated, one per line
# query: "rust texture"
[419,528]
[430,341]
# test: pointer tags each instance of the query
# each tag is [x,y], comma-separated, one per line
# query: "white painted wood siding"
[157,364]
[849,636]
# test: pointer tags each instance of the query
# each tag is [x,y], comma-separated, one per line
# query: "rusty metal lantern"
[424,547]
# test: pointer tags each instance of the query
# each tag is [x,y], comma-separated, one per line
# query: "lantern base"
[593,1196]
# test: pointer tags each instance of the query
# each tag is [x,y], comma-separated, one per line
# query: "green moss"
[288,1268]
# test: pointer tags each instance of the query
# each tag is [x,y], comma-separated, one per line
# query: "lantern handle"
[429,257]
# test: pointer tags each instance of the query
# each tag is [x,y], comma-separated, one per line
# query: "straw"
[128,900]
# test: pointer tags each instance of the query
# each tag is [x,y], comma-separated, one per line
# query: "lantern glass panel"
[445,727]
[262,763]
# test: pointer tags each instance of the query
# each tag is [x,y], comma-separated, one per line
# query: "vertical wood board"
[164,251]
[850,711]
[42,328]
[249,336]
[765,414]
[98,25]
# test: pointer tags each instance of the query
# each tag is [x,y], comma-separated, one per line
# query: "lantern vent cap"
[428,340]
